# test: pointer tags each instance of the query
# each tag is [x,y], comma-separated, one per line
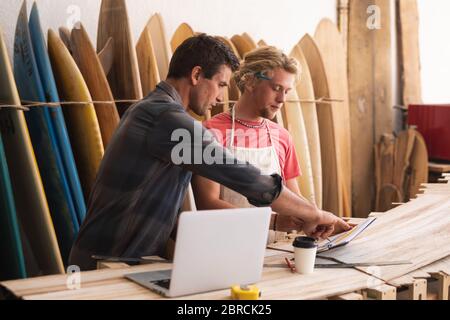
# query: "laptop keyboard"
[163,283]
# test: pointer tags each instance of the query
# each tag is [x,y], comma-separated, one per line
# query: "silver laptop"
[214,250]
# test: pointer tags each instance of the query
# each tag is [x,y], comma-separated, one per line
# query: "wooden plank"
[343,22]
[383,292]
[349,296]
[439,167]
[409,53]
[369,58]
[329,42]
[418,231]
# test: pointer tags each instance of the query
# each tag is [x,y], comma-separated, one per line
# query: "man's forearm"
[288,203]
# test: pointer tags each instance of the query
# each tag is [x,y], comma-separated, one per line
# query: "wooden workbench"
[418,231]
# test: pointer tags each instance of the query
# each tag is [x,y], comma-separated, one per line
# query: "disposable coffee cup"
[305,250]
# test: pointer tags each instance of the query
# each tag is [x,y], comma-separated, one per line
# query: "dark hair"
[203,51]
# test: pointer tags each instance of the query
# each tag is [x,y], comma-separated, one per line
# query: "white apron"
[265,159]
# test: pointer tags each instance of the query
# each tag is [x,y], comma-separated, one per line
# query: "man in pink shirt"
[247,130]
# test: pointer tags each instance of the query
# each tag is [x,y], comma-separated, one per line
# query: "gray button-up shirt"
[139,189]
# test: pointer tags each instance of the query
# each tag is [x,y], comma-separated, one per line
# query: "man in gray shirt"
[147,167]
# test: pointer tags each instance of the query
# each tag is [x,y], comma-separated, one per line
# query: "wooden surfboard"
[262,43]
[305,91]
[295,124]
[408,26]
[64,34]
[90,67]
[162,48]
[106,56]
[242,44]
[81,119]
[370,94]
[31,203]
[43,138]
[249,39]
[332,182]
[148,64]
[330,44]
[56,114]
[183,32]
[12,261]
[123,77]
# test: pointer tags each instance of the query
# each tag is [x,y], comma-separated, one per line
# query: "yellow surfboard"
[183,32]
[305,91]
[30,199]
[81,119]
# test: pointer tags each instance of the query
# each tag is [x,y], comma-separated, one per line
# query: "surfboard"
[294,123]
[90,67]
[57,118]
[81,120]
[305,91]
[12,261]
[43,138]
[242,44]
[326,114]
[330,44]
[162,48]
[249,39]
[123,77]
[183,32]
[106,56]
[262,43]
[370,94]
[148,64]
[64,34]
[31,203]
[408,26]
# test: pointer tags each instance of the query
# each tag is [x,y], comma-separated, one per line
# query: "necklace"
[258,126]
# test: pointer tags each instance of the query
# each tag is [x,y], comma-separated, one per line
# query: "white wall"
[435,50]
[281,23]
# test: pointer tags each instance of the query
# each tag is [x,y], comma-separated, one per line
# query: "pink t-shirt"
[247,137]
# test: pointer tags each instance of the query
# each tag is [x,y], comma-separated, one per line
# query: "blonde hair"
[261,60]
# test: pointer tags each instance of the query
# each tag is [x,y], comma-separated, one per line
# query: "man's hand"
[323,225]
[288,224]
